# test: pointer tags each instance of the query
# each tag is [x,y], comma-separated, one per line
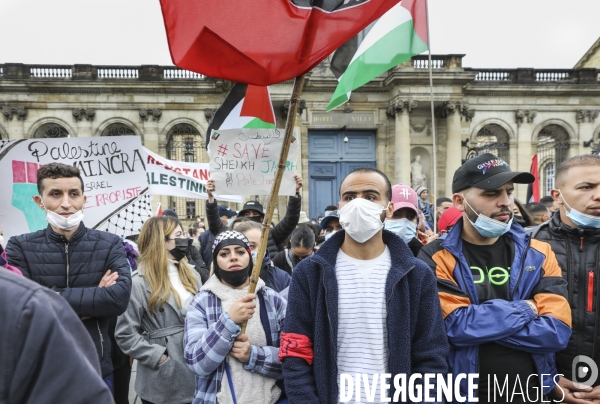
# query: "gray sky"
[493,34]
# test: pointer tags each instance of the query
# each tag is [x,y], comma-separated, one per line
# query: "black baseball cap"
[252,205]
[487,171]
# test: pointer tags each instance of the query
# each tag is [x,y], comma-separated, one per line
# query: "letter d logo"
[584,370]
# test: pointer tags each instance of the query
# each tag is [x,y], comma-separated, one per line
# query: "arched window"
[549,177]
[185,143]
[552,150]
[118,129]
[50,130]
[493,138]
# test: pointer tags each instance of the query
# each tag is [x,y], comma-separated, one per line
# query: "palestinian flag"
[533,189]
[246,106]
[394,38]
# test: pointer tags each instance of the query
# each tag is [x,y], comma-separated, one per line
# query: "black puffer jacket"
[578,254]
[277,235]
[74,268]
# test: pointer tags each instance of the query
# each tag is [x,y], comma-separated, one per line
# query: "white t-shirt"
[362,313]
[184,295]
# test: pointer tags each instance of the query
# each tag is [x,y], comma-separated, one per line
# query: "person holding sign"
[231,367]
[254,211]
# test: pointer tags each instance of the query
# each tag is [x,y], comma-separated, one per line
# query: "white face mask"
[328,235]
[361,219]
[404,228]
[61,222]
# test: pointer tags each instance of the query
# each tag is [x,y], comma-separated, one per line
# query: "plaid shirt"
[210,333]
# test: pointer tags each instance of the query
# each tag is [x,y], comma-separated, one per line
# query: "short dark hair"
[536,208]
[303,237]
[388,191]
[330,207]
[547,201]
[442,199]
[577,161]
[57,170]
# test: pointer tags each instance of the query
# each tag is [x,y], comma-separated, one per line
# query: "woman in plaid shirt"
[231,367]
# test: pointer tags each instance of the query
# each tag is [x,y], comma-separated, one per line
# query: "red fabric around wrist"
[295,346]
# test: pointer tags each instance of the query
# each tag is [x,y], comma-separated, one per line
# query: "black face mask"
[234,278]
[519,220]
[257,219]
[180,250]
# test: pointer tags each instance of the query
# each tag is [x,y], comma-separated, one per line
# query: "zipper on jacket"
[101,339]
[590,292]
[67,255]
[582,297]
[522,270]
[334,343]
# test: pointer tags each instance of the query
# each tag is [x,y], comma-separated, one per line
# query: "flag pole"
[432,120]
[266,224]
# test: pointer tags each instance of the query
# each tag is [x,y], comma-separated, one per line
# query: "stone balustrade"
[533,76]
[439,63]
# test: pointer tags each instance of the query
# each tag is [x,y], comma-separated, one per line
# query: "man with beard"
[502,294]
[362,304]
[574,234]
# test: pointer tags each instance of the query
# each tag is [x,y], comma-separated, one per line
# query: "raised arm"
[286,226]
[215,225]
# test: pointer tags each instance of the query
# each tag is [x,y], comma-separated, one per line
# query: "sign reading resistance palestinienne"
[244,161]
[178,178]
[113,173]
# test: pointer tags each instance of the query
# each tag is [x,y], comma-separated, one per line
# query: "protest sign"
[177,178]
[113,173]
[244,161]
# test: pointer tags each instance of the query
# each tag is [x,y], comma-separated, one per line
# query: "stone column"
[585,119]
[84,117]
[525,149]
[150,118]
[15,127]
[401,109]
[453,156]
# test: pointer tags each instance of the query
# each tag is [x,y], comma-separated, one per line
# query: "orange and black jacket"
[534,274]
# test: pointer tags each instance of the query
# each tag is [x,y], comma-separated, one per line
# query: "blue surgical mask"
[581,219]
[328,235]
[404,228]
[229,221]
[253,256]
[488,227]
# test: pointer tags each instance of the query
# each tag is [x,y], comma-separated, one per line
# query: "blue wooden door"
[330,159]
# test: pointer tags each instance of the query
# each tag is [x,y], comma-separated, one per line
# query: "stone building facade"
[514,113]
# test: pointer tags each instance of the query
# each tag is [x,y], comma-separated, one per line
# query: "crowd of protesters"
[385,281]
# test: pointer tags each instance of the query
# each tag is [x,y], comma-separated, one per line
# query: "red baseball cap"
[449,218]
[404,196]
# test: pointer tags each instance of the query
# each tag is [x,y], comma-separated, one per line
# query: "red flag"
[159,210]
[262,42]
[533,190]
[257,103]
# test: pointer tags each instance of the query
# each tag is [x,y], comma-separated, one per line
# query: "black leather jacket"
[578,254]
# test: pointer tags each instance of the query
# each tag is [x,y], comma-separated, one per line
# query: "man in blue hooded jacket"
[361,305]
[501,293]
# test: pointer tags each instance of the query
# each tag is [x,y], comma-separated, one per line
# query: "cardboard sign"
[113,173]
[244,161]
[177,178]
